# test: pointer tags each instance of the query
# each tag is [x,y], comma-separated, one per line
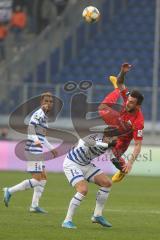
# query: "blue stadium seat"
[128,37]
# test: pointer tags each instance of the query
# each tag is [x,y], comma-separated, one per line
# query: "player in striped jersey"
[34,154]
[79,169]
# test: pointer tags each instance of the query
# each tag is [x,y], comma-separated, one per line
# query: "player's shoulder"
[139,121]
[38,113]
[140,116]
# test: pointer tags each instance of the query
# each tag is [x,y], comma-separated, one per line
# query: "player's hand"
[54,153]
[38,143]
[45,108]
[127,168]
[126,67]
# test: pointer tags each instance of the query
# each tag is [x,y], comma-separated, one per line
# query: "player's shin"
[38,190]
[74,203]
[119,163]
[101,199]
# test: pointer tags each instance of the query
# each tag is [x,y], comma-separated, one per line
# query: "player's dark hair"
[138,95]
[46,94]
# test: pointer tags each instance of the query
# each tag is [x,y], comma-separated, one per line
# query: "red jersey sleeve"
[138,128]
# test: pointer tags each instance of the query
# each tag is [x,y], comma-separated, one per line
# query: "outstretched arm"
[134,155]
[50,147]
[90,141]
[126,67]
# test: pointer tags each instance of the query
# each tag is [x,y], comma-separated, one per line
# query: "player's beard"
[130,110]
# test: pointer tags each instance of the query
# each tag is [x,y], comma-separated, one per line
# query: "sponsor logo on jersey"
[140,133]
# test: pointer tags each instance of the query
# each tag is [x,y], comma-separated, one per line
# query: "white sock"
[101,198]
[26,184]
[74,203]
[38,190]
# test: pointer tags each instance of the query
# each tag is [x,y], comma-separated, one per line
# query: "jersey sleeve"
[47,144]
[138,130]
[35,118]
[112,97]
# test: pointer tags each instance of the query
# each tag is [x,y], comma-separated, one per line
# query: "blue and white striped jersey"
[37,128]
[88,149]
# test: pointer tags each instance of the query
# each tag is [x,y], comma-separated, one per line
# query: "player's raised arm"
[126,67]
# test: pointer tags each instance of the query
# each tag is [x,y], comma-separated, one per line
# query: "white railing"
[26,61]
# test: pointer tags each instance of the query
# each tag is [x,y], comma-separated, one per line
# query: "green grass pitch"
[133,208]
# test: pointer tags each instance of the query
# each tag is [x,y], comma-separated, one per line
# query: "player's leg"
[75,177]
[24,185]
[118,161]
[100,179]
[81,191]
[113,80]
[38,191]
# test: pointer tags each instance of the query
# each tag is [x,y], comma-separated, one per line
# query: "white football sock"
[101,198]
[26,184]
[38,190]
[74,203]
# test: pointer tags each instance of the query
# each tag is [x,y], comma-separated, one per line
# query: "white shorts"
[35,162]
[76,173]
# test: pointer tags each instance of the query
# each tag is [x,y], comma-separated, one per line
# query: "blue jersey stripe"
[75,156]
[80,158]
[41,139]
[33,123]
[83,152]
[93,151]
[79,154]
[98,150]
[30,141]
[33,150]
[33,145]
[41,135]
[72,159]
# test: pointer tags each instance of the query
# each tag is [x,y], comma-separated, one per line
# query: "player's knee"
[83,191]
[39,176]
[43,176]
[82,188]
[106,183]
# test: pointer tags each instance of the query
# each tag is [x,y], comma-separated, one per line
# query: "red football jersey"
[113,117]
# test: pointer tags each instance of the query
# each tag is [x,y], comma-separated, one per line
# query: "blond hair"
[46,94]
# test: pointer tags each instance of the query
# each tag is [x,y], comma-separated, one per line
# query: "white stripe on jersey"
[84,153]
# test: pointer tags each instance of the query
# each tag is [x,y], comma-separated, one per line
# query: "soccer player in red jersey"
[129,120]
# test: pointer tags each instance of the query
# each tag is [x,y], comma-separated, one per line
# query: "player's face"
[47,103]
[131,104]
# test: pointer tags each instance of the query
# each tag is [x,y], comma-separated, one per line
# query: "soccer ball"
[91,14]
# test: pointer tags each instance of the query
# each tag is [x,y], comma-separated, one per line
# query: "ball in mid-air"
[91,14]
